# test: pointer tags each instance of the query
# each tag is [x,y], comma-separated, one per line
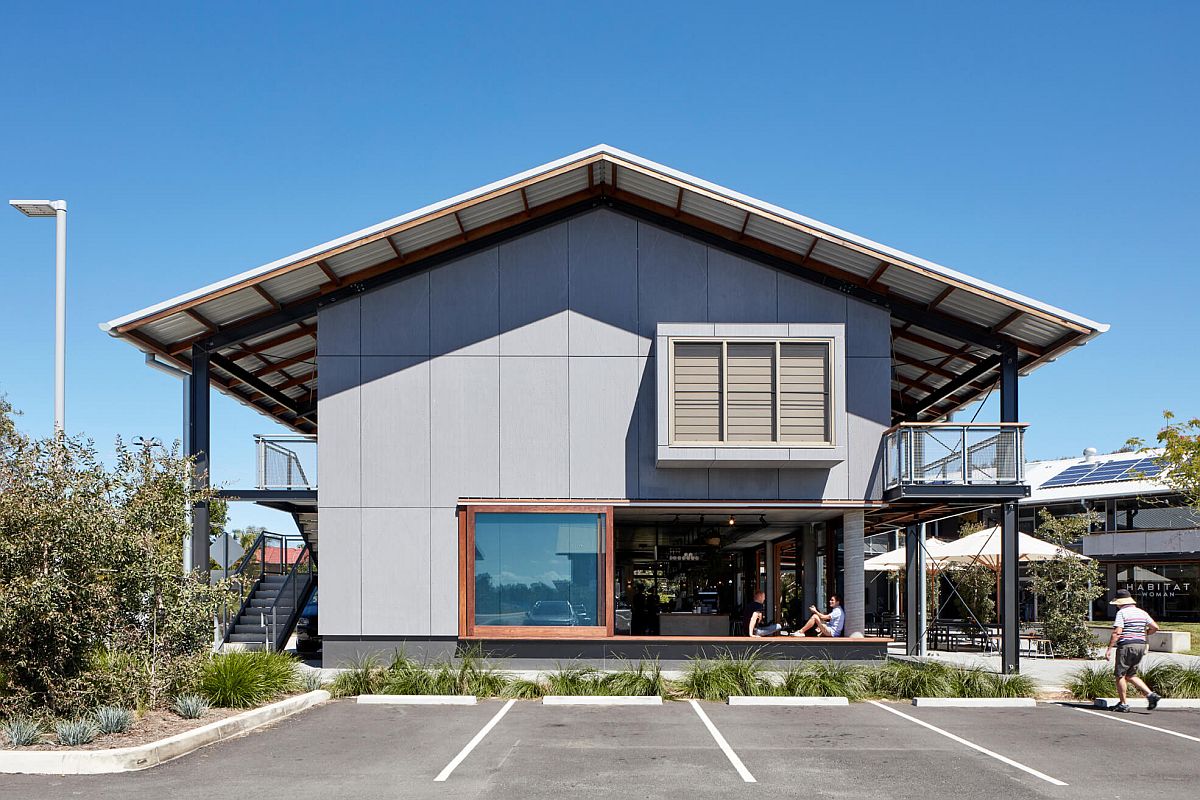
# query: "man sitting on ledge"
[830,624]
[756,616]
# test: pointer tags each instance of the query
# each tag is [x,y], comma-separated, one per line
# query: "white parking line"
[1110,715]
[724,745]
[972,745]
[466,751]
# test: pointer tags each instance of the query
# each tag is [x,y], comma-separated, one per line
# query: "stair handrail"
[238,578]
[289,585]
[261,543]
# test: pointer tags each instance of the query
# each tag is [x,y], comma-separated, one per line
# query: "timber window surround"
[739,391]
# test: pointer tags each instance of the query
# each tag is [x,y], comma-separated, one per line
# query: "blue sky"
[1049,148]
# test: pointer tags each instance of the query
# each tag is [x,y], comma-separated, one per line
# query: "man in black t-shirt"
[756,615]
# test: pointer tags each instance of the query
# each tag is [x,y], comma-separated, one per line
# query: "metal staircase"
[274,581]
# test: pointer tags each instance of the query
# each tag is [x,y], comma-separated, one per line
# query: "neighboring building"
[564,413]
[1146,536]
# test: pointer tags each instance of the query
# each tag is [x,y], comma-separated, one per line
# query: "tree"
[1068,585]
[1180,458]
[93,605]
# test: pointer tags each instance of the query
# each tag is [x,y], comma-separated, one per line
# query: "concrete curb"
[601,700]
[1140,702]
[417,699]
[144,756]
[740,700]
[974,702]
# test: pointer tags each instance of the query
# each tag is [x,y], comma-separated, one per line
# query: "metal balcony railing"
[286,461]
[955,454]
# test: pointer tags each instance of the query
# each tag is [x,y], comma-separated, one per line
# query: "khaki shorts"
[1128,658]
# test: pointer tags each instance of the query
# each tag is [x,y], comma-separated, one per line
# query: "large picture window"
[750,392]
[537,570]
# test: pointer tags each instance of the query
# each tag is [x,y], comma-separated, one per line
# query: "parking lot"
[688,750]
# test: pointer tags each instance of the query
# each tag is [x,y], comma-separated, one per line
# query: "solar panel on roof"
[1104,472]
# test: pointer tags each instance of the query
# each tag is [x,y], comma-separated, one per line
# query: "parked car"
[308,639]
[552,612]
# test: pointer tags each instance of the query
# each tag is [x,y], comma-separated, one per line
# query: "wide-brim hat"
[1123,598]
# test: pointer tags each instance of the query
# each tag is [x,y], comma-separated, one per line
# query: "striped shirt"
[1133,623]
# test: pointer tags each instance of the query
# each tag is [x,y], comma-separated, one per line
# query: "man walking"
[1130,629]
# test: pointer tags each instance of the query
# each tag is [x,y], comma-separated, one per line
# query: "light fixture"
[57,209]
[732,521]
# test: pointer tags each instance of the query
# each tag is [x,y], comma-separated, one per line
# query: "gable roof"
[260,325]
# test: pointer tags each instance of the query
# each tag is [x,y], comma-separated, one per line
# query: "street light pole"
[58,210]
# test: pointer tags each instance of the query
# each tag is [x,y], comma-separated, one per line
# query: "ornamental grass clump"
[190,706]
[113,719]
[725,675]
[241,679]
[75,732]
[637,680]
[1089,683]
[575,681]
[312,681]
[364,676]
[21,731]
[907,679]
[1174,680]
[825,679]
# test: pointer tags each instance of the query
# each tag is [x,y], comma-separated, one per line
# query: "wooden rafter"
[209,326]
[265,295]
[1009,320]
[942,295]
[877,274]
[395,247]
[329,273]
[525,197]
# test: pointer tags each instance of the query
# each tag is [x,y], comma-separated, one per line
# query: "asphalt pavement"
[526,751]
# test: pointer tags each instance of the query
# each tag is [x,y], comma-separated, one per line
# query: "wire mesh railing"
[947,453]
[286,461]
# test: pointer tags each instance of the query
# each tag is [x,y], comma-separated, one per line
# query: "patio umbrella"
[893,560]
[983,547]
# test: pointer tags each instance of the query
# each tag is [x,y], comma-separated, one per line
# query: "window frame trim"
[831,384]
[466,576]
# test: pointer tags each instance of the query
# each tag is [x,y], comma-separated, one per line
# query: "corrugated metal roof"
[167,327]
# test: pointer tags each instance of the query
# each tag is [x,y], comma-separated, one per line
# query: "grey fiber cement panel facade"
[528,370]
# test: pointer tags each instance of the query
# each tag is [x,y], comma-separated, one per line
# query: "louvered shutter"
[697,397]
[804,392]
[750,382]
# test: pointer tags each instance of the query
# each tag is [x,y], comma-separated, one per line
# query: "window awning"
[260,326]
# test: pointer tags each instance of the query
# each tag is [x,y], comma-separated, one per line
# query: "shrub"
[311,681]
[190,706]
[1092,682]
[725,675]
[21,731]
[240,679]
[1174,680]
[110,619]
[641,679]
[75,732]
[364,676]
[825,679]
[113,719]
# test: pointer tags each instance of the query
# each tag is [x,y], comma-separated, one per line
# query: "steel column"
[198,445]
[1010,587]
[914,576]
